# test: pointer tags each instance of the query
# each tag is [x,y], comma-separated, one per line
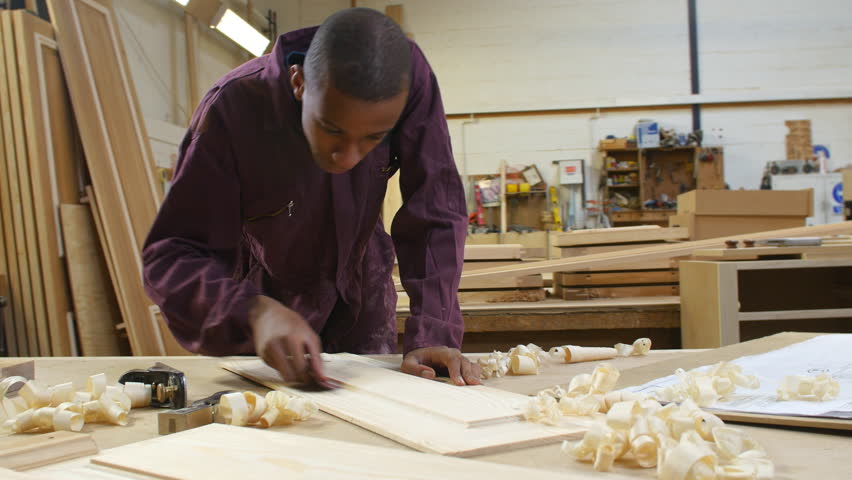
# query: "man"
[270,240]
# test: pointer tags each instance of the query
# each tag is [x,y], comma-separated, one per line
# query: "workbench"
[797,453]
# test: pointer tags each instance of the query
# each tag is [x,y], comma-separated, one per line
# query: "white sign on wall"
[571,172]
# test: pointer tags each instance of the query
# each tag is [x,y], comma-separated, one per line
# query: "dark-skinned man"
[270,240]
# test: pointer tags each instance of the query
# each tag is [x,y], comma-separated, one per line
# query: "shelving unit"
[656,174]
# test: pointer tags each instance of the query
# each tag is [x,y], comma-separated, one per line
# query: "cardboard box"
[747,203]
[647,134]
[847,184]
[613,144]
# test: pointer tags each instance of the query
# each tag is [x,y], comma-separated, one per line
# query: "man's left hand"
[423,362]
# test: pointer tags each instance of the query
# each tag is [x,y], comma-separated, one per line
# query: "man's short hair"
[361,53]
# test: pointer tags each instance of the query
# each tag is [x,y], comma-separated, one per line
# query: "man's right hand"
[282,338]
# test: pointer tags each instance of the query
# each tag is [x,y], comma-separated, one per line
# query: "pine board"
[38,335]
[619,235]
[502,296]
[525,281]
[53,158]
[10,209]
[642,277]
[664,251]
[493,252]
[28,451]
[591,293]
[221,451]
[116,148]
[94,300]
[594,249]
[745,253]
[415,427]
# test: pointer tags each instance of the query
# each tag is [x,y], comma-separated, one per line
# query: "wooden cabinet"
[642,185]
[716,296]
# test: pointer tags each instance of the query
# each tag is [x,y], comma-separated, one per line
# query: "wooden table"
[797,453]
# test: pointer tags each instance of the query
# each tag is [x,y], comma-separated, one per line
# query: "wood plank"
[493,252]
[413,427]
[117,151]
[664,251]
[94,300]
[525,281]
[25,452]
[745,253]
[54,159]
[595,249]
[619,278]
[503,296]
[11,218]
[620,235]
[222,451]
[566,306]
[38,333]
[796,314]
[468,406]
[572,293]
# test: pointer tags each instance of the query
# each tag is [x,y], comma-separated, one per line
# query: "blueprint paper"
[824,354]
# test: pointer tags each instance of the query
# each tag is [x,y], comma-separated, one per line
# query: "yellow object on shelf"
[525,187]
[511,188]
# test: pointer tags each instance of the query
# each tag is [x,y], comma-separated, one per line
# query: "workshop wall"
[585,59]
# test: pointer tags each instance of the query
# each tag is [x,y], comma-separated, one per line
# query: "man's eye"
[332,131]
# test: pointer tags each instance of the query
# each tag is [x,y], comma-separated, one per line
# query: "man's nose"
[346,156]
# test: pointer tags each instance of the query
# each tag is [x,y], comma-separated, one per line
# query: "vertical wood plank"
[117,151]
[51,151]
[39,335]
[700,315]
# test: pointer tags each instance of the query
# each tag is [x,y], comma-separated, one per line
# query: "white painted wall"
[506,55]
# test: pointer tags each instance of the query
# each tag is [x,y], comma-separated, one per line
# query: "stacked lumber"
[72,259]
[509,288]
[648,278]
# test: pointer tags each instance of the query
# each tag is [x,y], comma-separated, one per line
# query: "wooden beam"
[619,235]
[651,253]
[191,66]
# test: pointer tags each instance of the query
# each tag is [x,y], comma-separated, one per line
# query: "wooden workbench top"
[797,453]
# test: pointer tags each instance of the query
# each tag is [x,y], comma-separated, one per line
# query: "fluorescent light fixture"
[241,32]
[182,2]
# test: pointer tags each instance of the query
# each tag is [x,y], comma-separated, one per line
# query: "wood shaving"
[276,408]
[521,360]
[709,386]
[802,387]
[641,346]
[59,407]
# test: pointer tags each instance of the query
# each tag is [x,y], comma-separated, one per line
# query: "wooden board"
[595,249]
[503,296]
[38,335]
[54,158]
[221,451]
[756,252]
[28,451]
[525,281]
[587,293]
[642,277]
[94,300]
[665,251]
[620,235]
[416,428]
[642,375]
[493,252]
[116,149]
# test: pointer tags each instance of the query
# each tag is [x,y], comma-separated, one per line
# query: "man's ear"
[297,81]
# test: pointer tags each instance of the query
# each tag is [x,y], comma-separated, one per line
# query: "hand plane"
[168,386]
[200,413]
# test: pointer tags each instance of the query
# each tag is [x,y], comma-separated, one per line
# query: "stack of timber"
[39,163]
[72,259]
[510,288]
[645,278]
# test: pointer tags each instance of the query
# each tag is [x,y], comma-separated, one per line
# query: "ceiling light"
[182,2]
[241,32]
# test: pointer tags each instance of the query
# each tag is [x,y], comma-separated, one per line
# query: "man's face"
[342,130]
